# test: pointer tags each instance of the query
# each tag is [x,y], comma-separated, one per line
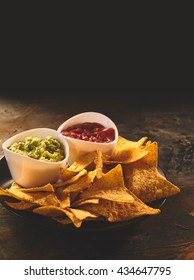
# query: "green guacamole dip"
[48,149]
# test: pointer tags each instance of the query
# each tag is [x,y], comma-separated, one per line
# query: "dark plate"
[6,180]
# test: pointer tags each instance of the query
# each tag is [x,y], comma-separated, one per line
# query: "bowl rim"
[65,144]
[61,127]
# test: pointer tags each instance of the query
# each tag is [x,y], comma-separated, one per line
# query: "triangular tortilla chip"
[64,221]
[115,211]
[110,186]
[84,182]
[140,142]
[124,153]
[84,161]
[46,188]
[75,215]
[66,173]
[4,192]
[131,144]
[148,185]
[21,205]
[149,160]
[71,180]
[98,161]
[152,157]
[82,214]
[58,214]
[87,201]
[64,198]
[39,197]
[50,210]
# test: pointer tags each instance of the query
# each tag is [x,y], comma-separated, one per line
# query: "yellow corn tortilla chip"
[50,211]
[58,214]
[75,215]
[84,182]
[84,161]
[74,196]
[39,197]
[149,160]
[4,192]
[132,144]
[64,198]
[90,200]
[152,157]
[138,144]
[71,180]
[66,173]
[146,143]
[124,153]
[82,214]
[98,161]
[21,205]
[148,185]
[46,188]
[63,220]
[110,186]
[115,211]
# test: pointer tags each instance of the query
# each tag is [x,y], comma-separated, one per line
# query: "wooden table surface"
[166,119]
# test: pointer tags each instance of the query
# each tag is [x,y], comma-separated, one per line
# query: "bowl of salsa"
[87,132]
[35,156]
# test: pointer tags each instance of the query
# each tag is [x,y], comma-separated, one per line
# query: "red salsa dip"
[90,131]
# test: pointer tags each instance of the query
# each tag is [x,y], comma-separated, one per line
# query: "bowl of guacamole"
[48,149]
[35,156]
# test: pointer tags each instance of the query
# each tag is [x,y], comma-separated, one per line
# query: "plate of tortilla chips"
[97,191]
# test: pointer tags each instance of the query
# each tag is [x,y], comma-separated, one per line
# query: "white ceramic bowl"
[29,172]
[78,147]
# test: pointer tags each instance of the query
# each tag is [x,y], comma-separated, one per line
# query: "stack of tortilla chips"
[99,187]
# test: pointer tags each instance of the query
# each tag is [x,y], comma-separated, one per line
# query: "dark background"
[134,97]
